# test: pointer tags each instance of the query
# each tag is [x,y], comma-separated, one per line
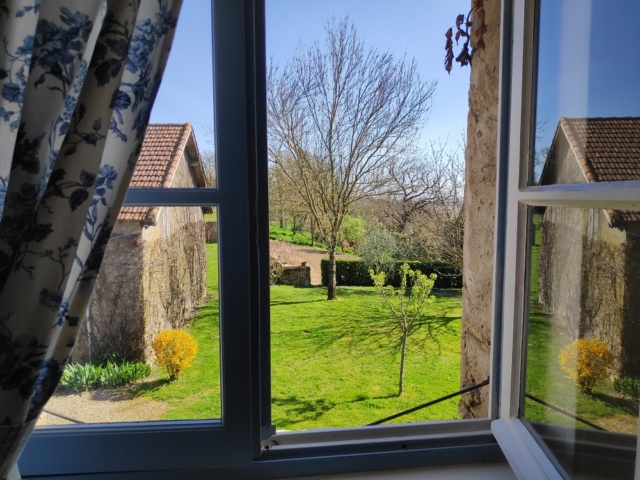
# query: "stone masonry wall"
[480,194]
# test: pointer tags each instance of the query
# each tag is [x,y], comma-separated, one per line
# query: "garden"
[334,364]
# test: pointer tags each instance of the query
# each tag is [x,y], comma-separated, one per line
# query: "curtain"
[77,82]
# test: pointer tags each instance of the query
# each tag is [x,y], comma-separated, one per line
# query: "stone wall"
[298,275]
[114,321]
[587,282]
[480,195]
[174,279]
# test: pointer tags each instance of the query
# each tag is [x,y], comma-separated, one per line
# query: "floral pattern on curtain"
[77,82]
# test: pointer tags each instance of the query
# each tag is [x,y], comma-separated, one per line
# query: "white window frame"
[243,443]
[526,453]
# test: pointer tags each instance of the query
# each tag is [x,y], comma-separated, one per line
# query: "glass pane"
[583,345]
[588,103]
[149,345]
[183,111]
[357,172]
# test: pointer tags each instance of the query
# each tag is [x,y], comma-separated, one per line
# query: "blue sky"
[587,72]
[416,27]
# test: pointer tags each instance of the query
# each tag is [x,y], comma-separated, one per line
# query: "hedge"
[356,274]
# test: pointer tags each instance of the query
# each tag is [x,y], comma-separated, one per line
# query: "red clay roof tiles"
[161,151]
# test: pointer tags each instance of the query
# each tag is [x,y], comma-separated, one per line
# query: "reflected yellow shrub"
[585,361]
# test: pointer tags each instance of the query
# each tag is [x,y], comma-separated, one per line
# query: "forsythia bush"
[175,349]
[586,360]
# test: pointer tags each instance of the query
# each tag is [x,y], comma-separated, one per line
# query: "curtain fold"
[77,82]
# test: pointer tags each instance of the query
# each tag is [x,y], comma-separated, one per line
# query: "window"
[241,443]
[572,190]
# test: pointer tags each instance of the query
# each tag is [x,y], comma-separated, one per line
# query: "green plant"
[114,375]
[585,361]
[355,273]
[627,386]
[407,304]
[79,377]
[352,230]
[175,350]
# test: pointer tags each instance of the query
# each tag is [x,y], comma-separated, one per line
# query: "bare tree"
[420,184]
[209,164]
[339,117]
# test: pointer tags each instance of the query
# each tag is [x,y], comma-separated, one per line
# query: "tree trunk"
[331,280]
[402,354]
[313,232]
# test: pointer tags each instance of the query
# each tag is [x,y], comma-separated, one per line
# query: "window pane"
[149,346]
[588,103]
[583,345]
[179,148]
[356,172]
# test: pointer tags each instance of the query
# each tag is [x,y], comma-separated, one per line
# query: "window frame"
[243,444]
[523,447]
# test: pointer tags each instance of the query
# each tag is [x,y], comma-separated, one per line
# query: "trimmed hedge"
[354,273]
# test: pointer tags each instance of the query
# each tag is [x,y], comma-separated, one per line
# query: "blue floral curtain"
[77,82]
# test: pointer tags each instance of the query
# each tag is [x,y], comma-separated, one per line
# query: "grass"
[297,238]
[547,381]
[334,364]
[211,217]
[196,393]
[343,357]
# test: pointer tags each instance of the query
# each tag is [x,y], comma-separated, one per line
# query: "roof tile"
[161,150]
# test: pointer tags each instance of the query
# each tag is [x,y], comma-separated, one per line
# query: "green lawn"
[334,364]
[547,381]
[297,238]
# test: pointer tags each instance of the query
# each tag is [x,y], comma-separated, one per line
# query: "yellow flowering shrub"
[174,349]
[586,360]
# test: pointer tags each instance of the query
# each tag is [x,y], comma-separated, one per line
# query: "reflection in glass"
[583,344]
[159,272]
[587,101]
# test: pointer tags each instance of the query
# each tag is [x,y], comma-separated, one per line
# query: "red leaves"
[448,58]
[463,26]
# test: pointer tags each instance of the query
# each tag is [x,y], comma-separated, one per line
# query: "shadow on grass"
[276,304]
[623,404]
[310,410]
[383,336]
[147,387]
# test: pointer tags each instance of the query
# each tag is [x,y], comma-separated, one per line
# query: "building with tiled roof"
[599,246]
[153,275]
[169,158]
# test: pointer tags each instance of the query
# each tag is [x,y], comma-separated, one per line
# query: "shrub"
[355,273]
[586,360]
[378,250]
[78,377]
[627,386]
[174,349]
[279,256]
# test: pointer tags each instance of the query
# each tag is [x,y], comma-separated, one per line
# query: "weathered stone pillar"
[479,201]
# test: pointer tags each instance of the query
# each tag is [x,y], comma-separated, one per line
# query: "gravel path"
[313,256]
[101,406]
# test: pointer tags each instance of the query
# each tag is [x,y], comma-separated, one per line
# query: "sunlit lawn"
[333,363]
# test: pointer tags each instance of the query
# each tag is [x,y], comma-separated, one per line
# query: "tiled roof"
[608,150]
[160,154]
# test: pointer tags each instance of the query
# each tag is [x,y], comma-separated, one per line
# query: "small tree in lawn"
[408,303]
